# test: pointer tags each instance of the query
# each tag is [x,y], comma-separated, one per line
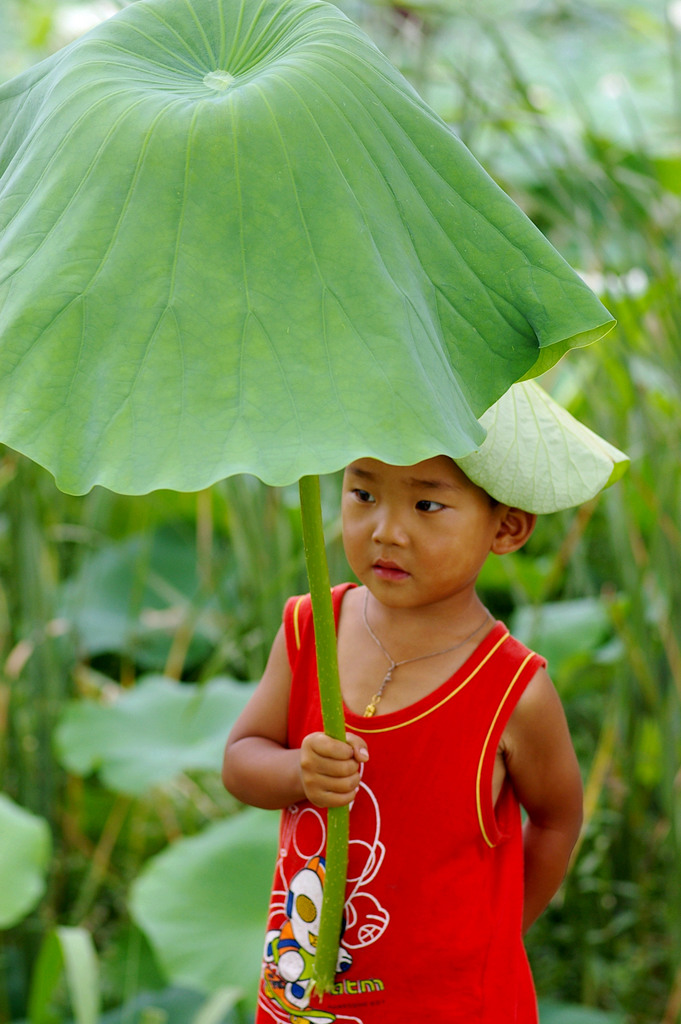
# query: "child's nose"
[388,528]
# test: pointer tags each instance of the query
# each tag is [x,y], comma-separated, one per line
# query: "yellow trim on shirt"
[478,797]
[296,624]
[452,693]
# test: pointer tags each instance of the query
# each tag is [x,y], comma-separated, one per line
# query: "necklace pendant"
[370,711]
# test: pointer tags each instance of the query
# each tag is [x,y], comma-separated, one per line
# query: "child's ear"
[515,527]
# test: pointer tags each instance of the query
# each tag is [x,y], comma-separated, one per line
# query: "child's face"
[416,535]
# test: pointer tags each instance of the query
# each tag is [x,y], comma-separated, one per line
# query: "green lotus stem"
[334,725]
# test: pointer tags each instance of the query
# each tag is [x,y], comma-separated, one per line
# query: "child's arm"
[260,769]
[542,765]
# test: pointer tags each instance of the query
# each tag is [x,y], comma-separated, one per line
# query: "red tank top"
[432,924]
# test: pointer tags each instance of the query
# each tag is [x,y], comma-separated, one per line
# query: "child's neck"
[412,630]
[402,654]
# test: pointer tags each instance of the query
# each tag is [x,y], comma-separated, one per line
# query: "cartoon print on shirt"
[290,948]
[290,951]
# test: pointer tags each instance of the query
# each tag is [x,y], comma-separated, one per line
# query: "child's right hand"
[330,769]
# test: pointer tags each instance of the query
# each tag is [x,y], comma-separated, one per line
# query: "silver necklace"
[370,709]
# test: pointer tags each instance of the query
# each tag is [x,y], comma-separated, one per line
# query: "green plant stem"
[101,858]
[334,725]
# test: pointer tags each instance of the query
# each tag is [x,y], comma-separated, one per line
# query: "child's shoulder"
[297,615]
[539,693]
[537,719]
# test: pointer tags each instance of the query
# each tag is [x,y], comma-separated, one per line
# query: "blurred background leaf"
[24,857]
[575,108]
[203,902]
[151,733]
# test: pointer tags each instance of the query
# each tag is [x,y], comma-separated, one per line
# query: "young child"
[453,726]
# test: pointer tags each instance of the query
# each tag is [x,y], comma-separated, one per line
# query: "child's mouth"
[389,571]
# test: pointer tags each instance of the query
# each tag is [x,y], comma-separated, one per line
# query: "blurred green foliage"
[575,108]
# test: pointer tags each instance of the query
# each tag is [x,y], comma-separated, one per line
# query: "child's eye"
[428,506]
[363,496]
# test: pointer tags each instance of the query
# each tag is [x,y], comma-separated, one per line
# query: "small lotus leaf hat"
[538,457]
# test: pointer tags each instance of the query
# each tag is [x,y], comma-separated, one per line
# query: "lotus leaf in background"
[204,913]
[570,635]
[25,849]
[129,597]
[178,1006]
[152,733]
[234,239]
[558,1013]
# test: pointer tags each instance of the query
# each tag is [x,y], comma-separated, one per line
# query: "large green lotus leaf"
[25,848]
[235,239]
[203,902]
[152,733]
